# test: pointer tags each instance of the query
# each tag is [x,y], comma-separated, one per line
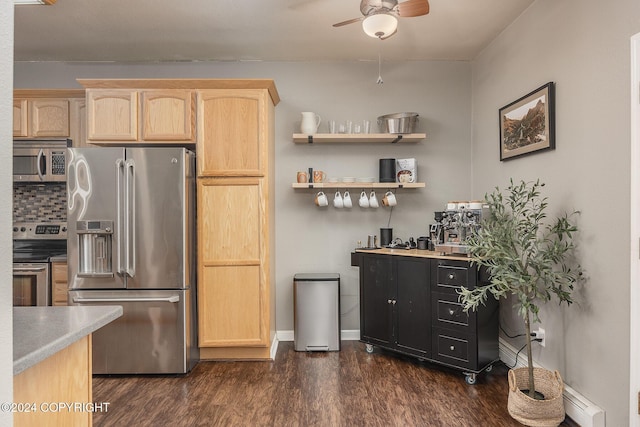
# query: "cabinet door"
[377,287]
[78,122]
[59,283]
[49,117]
[232,300]
[232,132]
[168,115]
[112,115]
[20,117]
[413,327]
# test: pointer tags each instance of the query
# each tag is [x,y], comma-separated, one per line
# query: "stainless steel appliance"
[40,160]
[457,223]
[131,217]
[33,246]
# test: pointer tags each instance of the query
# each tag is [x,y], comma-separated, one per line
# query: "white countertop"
[40,332]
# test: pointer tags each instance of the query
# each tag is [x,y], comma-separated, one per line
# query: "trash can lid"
[315,277]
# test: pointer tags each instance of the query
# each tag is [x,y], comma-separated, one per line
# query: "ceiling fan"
[380,17]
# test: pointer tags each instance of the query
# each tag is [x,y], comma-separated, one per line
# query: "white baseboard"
[580,409]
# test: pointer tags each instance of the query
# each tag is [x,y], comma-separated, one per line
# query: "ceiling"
[248,30]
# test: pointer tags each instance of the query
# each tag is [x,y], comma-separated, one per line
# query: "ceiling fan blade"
[410,8]
[350,21]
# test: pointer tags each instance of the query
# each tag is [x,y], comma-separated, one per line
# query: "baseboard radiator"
[577,407]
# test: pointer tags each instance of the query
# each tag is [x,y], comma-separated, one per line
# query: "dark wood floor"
[345,388]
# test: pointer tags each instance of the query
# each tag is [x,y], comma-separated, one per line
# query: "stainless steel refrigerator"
[131,242]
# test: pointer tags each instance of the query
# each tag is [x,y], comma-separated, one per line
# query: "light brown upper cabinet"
[40,117]
[140,115]
[112,115]
[168,115]
[233,128]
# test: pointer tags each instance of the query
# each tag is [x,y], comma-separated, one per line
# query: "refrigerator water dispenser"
[95,248]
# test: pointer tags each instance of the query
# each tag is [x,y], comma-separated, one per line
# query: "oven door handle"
[38,163]
[173,299]
[28,269]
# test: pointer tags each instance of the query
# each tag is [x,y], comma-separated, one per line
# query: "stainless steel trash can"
[316,317]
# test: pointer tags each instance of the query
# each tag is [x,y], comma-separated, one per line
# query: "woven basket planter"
[532,412]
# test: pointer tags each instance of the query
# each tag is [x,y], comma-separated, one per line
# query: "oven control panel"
[39,230]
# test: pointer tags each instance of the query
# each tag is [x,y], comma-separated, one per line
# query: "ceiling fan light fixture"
[380,25]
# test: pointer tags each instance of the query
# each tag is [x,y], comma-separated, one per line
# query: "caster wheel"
[489,368]
[369,348]
[470,379]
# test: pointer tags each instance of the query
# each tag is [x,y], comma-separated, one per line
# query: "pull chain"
[379,81]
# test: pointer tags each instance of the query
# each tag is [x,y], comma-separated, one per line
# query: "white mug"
[373,200]
[389,199]
[310,123]
[346,199]
[363,201]
[337,201]
[321,199]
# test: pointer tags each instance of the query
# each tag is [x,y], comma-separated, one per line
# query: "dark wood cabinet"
[394,301]
[410,305]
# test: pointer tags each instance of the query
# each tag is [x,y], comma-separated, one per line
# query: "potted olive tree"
[531,259]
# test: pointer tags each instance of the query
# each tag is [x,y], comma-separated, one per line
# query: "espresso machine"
[455,225]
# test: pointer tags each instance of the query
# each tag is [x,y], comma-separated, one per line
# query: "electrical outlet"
[539,335]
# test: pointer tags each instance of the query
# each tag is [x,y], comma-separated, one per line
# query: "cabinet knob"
[452,276]
[389,301]
[451,311]
[453,347]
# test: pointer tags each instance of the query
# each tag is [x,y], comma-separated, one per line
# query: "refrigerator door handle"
[119,234]
[130,223]
[172,299]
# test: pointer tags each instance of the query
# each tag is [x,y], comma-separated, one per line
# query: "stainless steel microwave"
[40,160]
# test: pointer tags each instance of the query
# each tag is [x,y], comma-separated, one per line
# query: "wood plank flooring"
[345,388]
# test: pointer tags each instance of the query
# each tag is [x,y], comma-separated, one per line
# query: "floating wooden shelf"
[328,138]
[358,185]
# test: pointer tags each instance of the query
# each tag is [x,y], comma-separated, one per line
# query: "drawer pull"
[451,311]
[453,347]
[452,276]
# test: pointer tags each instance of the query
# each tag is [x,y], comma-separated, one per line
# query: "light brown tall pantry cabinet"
[234,142]
[236,222]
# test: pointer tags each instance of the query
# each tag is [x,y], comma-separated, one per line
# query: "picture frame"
[527,125]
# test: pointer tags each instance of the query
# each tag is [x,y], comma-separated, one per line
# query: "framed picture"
[527,125]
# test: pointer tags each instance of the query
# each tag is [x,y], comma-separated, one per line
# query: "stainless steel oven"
[40,160]
[33,246]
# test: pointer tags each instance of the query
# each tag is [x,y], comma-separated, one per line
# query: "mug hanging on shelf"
[346,199]
[337,201]
[364,200]
[321,199]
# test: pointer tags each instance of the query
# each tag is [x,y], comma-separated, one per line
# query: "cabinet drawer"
[455,349]
[450,278]
[449,313]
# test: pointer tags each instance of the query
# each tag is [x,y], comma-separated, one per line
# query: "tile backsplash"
[39,202]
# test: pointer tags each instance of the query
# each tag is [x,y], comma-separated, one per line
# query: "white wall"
[583,46]
[309,239]
[6,199]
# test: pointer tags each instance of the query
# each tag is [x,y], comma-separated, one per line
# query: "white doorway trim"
[634,338]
